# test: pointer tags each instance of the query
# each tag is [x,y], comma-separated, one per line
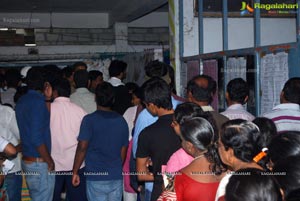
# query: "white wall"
[71,49]
[240,32]
[59,20]
[155,19]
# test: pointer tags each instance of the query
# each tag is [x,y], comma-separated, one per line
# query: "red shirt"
[188,189]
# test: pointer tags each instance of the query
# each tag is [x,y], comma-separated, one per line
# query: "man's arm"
[123,153]
[143,173]
[43,151]
[79,157]
[10,150]
[144,119]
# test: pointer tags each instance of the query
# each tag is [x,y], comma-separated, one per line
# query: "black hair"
[293,195]
[201,134]
[62,86]
[287,173]
[251,185]
[81,78]
[284,145]
[67,72]
[80,63]
[105,94]
[201,93]
[21,90]
[172,78]
[35,78]
[291,90]
[138,93]
[12,77]
[131,86]
[52,73]
[116,67]
[244,138]
[158,92]
[2,80]
[267,128]
[186,111]
[93,74]
[238,90]
[156,69]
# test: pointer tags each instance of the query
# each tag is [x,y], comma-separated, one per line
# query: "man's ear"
[189,96]
[246,99]
[153,107]
[227,95]
[54,94]
[89,84]
[282,99]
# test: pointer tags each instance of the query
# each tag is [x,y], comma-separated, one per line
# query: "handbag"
[169,193]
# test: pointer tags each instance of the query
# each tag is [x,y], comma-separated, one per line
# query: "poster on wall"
[274,73]
[192,69]
[236,68]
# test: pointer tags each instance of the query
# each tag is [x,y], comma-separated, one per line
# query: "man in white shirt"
[237,94]
[13,80]
[117,72]
[10,132]
[286,115]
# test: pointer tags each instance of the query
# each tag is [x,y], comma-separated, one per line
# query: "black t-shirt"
[158,141]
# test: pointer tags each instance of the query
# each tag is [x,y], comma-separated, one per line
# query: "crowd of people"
[67,131]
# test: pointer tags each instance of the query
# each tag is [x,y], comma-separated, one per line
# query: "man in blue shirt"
[103,141]
[33,120]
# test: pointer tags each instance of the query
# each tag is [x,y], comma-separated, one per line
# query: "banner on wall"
[236,68]
[274,73]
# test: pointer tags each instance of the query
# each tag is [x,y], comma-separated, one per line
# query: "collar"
[61,99]
[236,106]
[287,106]
[115,81]
[11,90]
[207,108]
[82,90]
[31,91]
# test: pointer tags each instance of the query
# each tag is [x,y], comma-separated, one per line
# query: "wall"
[74,36]
[63,20]
[150,31]
[148,36]
[155,19]
[240,32]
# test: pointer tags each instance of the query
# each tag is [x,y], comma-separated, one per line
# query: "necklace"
[197,157]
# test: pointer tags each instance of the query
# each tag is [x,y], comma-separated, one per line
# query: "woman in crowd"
[282,146]
[288,175]
[200,179]
[252,185]
[241,145]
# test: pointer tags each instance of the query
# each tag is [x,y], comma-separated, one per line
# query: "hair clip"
[261,155]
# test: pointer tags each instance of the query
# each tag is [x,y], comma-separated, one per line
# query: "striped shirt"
[237,111]
[286,117]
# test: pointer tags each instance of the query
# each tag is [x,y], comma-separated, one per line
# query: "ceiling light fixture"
[30,45]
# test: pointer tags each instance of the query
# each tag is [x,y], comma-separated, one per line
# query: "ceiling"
[118,10]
